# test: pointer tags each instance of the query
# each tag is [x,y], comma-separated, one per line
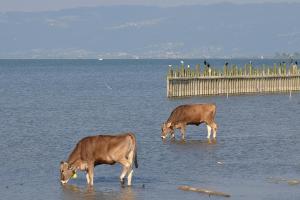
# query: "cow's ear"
[169,124]
[62,165]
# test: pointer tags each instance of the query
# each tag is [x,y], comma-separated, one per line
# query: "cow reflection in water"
[192,114]
[90,193]
[201,143]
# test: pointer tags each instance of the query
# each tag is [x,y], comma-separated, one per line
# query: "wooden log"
[202,190]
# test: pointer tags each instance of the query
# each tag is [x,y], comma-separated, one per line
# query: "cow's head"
[166,129]
[66,172]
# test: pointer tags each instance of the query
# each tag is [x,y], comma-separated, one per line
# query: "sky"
[47,5]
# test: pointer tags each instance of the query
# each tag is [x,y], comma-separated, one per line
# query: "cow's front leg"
[87,178]
[172,133]
[90,174]
[208,131]
[182,129]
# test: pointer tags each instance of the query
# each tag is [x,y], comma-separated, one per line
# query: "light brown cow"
[192,114]
[102,149]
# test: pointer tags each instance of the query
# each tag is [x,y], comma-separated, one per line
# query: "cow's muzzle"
[63,182]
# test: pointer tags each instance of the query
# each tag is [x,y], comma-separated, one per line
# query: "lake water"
[46,106]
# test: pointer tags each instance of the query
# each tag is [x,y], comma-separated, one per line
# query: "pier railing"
[184,81]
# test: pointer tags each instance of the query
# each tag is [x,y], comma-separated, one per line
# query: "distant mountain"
[219,30]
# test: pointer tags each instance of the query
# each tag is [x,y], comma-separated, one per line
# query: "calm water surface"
[46,106]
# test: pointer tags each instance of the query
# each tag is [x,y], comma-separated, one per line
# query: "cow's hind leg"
[214,127]
[126,167]
[129,177]
[130,171]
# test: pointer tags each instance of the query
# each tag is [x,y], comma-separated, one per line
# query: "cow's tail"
[214,111]
[134,150]
[215,126]
[135,157]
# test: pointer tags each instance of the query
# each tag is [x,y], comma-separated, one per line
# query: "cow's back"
[193,113]
[105,149]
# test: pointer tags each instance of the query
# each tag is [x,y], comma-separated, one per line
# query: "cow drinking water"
[192,114]
[102,149]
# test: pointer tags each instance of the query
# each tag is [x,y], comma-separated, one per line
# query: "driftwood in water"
[283,180]
[205,191]
[293,182]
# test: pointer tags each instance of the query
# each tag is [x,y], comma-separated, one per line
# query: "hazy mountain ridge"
[221,30]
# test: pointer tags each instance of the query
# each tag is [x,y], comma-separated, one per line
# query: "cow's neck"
[74,162]
[74,159]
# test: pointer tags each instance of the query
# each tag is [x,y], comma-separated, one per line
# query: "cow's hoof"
[122,181]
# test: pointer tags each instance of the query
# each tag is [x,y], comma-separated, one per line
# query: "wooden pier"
[183,81]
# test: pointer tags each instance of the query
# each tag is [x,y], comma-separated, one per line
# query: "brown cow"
[193,114]
[102,149]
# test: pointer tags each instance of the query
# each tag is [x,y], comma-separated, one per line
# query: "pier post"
[182,81]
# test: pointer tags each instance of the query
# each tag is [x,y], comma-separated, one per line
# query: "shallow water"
[46,106]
